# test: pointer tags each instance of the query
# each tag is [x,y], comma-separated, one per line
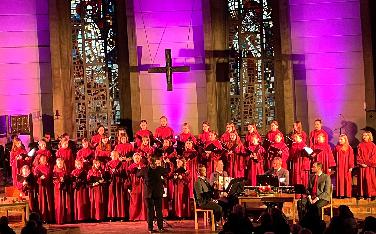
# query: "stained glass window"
[252,92]
[95,65]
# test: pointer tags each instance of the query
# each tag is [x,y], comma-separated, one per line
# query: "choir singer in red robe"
[313,136]
[96,139]
[137,208]
[204,135]
[164,131]
[300,163]
[81,202]
[256,160]
[143,132]
[66,154]
[62,193]
[85,154]
[16,159]
[323,153]
[181,180]
[367,162]
[96,193]
[118,191]
[344,155]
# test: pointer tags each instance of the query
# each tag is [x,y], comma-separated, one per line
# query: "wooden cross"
[169,69]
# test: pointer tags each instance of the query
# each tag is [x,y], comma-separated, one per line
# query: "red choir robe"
[313,137]
[95,140]
[45,192]
[86,155]
[325,156]
[215,149]
[118,190]
[236,162]
[300,164]
[183,137]
[103,153]
[140,134]
[62,196]
[125,150]
[67,155]
[192,167]
[345,161]
[146,152]
[367,178]
[278,150]
[255,164]
[96,194]
[81,201]
[164,132]
[249,136]
[46,153]
[181,193]
[225,137]
[28,187]
[15,163]
[302,134]
[203,137]
[137,208]
[271,135]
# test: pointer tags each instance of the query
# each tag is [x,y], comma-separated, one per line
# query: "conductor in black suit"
[153,191]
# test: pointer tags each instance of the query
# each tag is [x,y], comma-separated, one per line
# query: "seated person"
[215,176]
[319,189]
[203,192]
[277,170]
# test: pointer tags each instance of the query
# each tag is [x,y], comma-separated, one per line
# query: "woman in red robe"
[27,184]
[278,149]
[62,193]
[96,193]
[180,178]
[137,208]
[230,127]
[213,150]
[190,156]
[81,202]
[270,136]
[323,153]
[66,154]
[256,160]
[124,148]
[103,150]
[235,161]
[298,129]
[43,151]
[186,134]
[86,155]
[344,155]
[96,139]
[204,135]
[300,163]
[43,175]
[145,150]
[252,132]
[118,191]
[143,132]
[17,158]
[367,162]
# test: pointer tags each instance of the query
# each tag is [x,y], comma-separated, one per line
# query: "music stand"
[265,180]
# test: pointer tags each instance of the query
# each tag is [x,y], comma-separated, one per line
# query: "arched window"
[95,65]
[251,72]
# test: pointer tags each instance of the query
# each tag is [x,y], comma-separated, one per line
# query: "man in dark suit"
[319,188]
[203,192]
[153,191]
[277,170]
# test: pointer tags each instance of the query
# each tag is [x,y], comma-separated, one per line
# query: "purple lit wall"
[327,45]
[24,57]
[177,25]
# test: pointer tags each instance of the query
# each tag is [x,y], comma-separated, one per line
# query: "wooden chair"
[330,205]
[206,215]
